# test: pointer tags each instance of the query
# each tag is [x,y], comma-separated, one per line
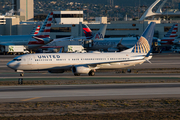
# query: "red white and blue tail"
[45,28]
[170,36]
[35,31]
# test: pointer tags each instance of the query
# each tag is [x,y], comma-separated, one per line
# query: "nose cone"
[11,65]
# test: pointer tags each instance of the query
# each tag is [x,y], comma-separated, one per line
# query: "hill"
[117,2]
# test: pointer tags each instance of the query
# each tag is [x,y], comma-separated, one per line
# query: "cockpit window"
[16,59]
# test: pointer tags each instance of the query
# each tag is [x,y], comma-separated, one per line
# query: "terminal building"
[69,23]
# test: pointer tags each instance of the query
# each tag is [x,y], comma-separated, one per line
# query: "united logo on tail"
[142,46]
[145,41]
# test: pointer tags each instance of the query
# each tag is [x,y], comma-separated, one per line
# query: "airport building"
[24,8]
[69,23]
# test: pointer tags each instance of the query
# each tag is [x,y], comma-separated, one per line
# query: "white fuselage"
[64,61]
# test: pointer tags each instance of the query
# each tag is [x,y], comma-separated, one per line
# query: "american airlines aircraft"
[35,31]
[61,42]
[30,41]
[118,44]
[98,42]
[169,38]
[87,63]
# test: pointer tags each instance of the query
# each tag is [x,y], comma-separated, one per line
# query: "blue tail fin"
[145,41]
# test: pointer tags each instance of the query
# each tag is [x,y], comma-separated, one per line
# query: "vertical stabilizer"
[35,31]
[170,35]
[45,29]
[101,33]
[145,41]
[87,31]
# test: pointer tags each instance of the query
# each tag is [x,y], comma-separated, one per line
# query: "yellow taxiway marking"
[31,99]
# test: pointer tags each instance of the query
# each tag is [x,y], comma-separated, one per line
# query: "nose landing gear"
[20,80]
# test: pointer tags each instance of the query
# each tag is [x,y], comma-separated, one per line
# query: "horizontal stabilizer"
[37,38]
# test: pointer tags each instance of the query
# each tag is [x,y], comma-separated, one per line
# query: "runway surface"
[92,92]
[88,92]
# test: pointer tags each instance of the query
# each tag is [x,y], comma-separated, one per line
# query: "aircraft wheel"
[21,74]
[91,73]
[76,74]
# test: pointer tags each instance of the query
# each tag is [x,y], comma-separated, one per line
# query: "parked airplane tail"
[98,36]
[170,36]
[35,31]
[87,31]
[101,33]
[45,29]
[144,43]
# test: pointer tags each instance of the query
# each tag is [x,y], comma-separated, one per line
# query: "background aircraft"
[35,31]
[98,42]
[169,38]
[30,41]
[61,42]
[119,44]
[87,63]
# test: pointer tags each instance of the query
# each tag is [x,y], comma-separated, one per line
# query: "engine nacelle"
[56,71]
[81,69]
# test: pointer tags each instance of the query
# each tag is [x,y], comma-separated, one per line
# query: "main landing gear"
[91,73]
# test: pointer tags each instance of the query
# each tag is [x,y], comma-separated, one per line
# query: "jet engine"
[81,69]
[56,71]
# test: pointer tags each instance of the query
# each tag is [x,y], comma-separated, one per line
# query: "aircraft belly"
[34,67]
[121,65]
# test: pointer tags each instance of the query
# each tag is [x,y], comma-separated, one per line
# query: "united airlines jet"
[87,63]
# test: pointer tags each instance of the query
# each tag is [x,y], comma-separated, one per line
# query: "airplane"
[35,31]
[98,42]
[98,36]
[86,63]
[169,38]
[30,41]
[119,44]
[61,42]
